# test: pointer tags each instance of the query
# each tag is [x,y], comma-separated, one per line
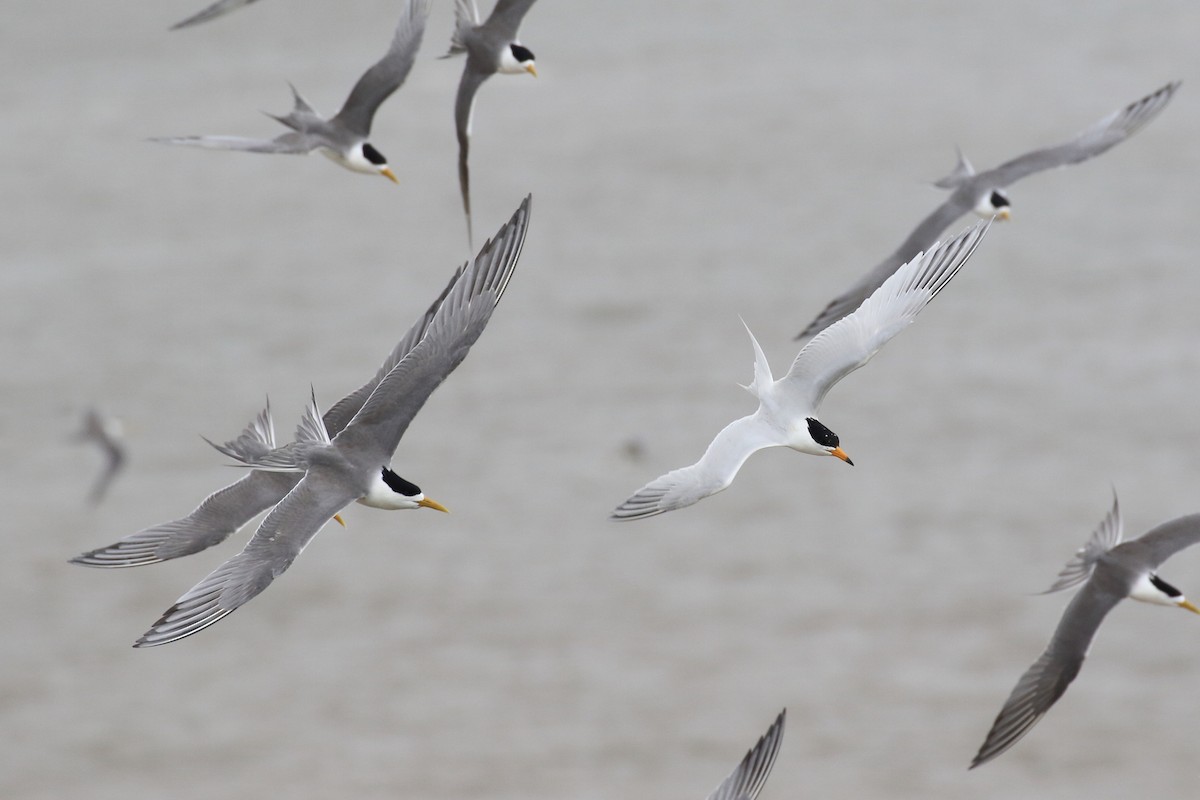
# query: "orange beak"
[434,504]
[840,453]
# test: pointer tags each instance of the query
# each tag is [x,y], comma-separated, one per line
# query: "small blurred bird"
[107,432]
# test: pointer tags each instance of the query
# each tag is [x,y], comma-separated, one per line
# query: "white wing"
[851,341]
[714,471]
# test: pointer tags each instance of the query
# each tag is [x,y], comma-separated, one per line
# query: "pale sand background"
[690,162]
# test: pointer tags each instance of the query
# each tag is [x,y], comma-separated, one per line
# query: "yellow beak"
[1004,213]
[1189,606]
[840,453]
[387,173]
[338,519]
[531,69]
[434,504]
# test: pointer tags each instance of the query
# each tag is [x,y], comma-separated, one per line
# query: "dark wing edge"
[748,778]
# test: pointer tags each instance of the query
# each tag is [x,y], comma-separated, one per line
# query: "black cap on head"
[820,434]
[521,53]
[373,155]
[1164,587]
[998,200]
[399,485]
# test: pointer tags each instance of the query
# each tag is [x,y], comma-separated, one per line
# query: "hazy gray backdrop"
[690,162]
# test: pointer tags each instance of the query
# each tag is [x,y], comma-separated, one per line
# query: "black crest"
[1164,587]
[373,155]
[820,434]
[399,485]
[998,200]
[521,53]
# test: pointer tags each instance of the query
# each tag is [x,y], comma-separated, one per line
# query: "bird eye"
[820,434]
[398,484]
[373,155]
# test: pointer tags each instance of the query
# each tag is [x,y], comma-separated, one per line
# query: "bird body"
[490,47]
[1110,571]
[983,193]
[344,136]
[311,479]
[787,409]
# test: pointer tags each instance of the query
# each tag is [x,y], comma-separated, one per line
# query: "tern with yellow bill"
[1110,571]
[983,193]
[787,408]
[343,137]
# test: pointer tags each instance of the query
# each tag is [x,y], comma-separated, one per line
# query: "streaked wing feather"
[851,342]
[1044,682]
[747,780]
[1094,140]
[290,143]
[375,431]
[713,473]
[217,9]
[218,516]
[1106,536]
[281,537]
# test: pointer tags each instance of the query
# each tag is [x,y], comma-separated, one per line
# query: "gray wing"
[851,342]
[344,410]
[506,17]
[221,513]
[920,240]
[281,537]
[747,780]
[255,441]
[464,106]
[290,143]
[388,73]
[1106,536]
[217,9]
[1044,682]
[373,434]
[1160,543]
[1099,137]
[114,462]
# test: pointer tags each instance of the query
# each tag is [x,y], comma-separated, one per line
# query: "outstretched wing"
[747,780]
[290,143]
[851,341]
[464,107]
[217,9]
[221,513]
[1097,138]
[281,537]
[1106,536]
[375,431]
[388,73]
[1164,541]
[1044,682]
[506,17]
[713,473]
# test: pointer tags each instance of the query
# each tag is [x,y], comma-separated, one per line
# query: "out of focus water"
[690,162]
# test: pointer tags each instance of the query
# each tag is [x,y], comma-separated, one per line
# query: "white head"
[516,58]
[389,491]
[994,203]
[362,157]
[1152,589]
[824,441]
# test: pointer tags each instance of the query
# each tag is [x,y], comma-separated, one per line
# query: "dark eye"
[999,200]
[398,484]
[820,434]
[521,53]
[373,155]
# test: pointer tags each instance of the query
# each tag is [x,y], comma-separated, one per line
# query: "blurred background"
[690,162]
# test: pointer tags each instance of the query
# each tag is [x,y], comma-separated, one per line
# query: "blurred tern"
[1109,571]
[787,410]
[343,456]
[983,193]
[491,47]
[747,780]
[217,9]
[343,137]
[107,433]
